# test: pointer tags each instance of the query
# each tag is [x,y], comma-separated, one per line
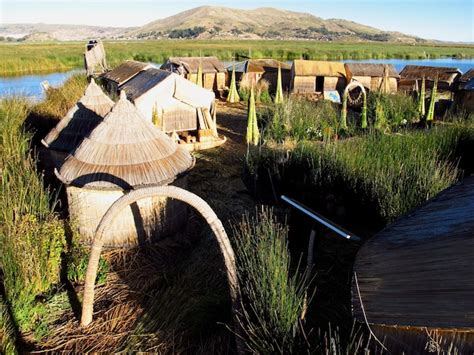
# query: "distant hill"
[213,22]
[41,32]
[216,22]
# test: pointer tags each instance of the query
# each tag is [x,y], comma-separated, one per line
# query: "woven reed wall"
[179,119]
[221,81]
[375,83]
[334,83]
[420,340]
[304,84]
[141,223]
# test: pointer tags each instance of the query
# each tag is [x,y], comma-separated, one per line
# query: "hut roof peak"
[80,120]
[125,151]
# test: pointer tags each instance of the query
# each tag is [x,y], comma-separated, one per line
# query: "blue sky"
[438,19]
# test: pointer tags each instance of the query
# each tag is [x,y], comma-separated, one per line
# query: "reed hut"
[464,97]
[310,76]
[125,152]
[94,58]
[464,79]
[416,73]
[414,280]
[177,106]
[124,72]
[372,76]
[251,71]
[78,123]
[212,69]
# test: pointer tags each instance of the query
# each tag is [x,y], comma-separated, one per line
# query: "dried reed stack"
[78,123]
[122,153]
[431,108]
[279,89]
[253,135]
[233,93]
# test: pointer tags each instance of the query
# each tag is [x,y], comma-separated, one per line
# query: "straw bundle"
[80,120]
[124,152]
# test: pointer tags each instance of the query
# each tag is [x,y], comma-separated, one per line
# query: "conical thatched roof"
[80,120]
[125,151]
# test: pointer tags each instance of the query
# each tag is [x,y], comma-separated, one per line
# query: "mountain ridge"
[219,22]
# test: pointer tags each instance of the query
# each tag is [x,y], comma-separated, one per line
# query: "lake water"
[30,85]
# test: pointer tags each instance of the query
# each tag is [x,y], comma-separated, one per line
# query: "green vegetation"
[31,235]
[7,330]
[271,319]
[233,95]
[27,58]
[431,108]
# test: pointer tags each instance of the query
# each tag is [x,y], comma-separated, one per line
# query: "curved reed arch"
[156,191]
[352,85]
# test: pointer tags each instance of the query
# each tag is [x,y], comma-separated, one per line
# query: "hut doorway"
[319,83]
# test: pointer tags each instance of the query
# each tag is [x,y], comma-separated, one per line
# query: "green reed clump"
[392,173]
[300,119]
[59,100]
[31,235]
[398,109]
[274,298]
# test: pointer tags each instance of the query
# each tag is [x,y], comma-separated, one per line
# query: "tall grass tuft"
[274,298]
[7,331]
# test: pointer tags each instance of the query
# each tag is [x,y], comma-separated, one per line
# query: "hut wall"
[304,84]
[178,118]
[374,83]
[334,83]
[220,81]
[143,222]
[464,100]
[209,81]
[421,340]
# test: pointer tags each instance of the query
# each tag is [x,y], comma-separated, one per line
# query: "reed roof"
[125,71]
[418,271]
[467,76]
[370,69]
[318,68]
[172,86]
[443,74]
[191,64]
[144,81]
[125,151]
[259,66]
[80,120]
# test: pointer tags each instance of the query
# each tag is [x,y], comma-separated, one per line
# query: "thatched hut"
[213,71]
[372,76]
[446,76]
[464,97]
[414,280]
[309,76]
[124,152]
[464,79]
[78,123]
[173,100]
[124,72]
[251,71]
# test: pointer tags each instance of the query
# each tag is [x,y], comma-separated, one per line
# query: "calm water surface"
[30,85]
